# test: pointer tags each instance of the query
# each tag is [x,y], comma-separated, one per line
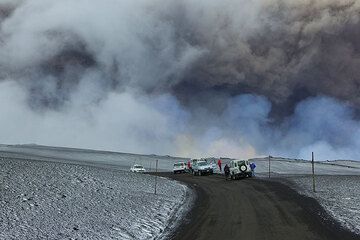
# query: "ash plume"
[231,78]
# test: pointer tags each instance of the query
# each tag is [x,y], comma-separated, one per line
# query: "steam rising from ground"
[223,78]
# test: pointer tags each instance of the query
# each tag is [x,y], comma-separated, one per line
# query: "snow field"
[89,157]
[339,196]
[337,184]
[47,200]
[286,166]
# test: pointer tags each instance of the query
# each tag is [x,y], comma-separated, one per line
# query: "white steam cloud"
[191,78]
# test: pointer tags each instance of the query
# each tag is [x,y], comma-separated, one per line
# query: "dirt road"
[253,209]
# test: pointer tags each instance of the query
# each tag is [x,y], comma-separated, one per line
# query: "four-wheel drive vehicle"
[137,168]
[239,169]
[201,167]
[192,162]
[179,167]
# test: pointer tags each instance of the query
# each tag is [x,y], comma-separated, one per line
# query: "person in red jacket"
[219,164]
[189,165]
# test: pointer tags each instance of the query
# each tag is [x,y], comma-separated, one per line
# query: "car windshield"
[178,164]
[138,166]
[202,163]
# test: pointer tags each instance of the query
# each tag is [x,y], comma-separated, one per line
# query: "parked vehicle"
[137,168]
[201,167]
[192,162]
[240,169]
[212,163]
[179,167]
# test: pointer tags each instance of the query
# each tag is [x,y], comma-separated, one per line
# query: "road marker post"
[313,171]
[269,165]
[156,175]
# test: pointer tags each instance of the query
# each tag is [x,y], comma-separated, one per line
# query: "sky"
[229,78]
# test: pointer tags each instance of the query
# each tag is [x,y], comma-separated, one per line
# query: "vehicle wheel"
[199,173]
[243,168]
[232,177]
[194,173]
[249,174]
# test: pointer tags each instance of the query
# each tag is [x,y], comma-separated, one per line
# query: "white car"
[179,167]
[213,165]
[201,167]
[240,169]
[137,168]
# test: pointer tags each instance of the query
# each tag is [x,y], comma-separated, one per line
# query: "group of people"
[227,168]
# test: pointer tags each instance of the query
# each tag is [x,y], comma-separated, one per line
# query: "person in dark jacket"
[252,167]
[227,171]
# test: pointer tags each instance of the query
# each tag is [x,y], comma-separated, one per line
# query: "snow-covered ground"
[89,157]
[337,184]
[49,200]
[285,166]
[339,195]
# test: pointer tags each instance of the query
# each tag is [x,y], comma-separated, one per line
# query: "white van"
[240,169]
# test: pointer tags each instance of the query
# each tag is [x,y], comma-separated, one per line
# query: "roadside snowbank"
[338,195]
[337,184]
[47,200]
[285,166]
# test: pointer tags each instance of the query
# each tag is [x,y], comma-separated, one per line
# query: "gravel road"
[253,209]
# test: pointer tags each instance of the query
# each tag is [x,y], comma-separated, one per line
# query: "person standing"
[252,167]
[227,171]
[219,164]
[189,165]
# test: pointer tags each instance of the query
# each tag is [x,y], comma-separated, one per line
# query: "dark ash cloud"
[220,78]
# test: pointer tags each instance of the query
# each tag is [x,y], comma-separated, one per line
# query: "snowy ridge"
[88,157]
